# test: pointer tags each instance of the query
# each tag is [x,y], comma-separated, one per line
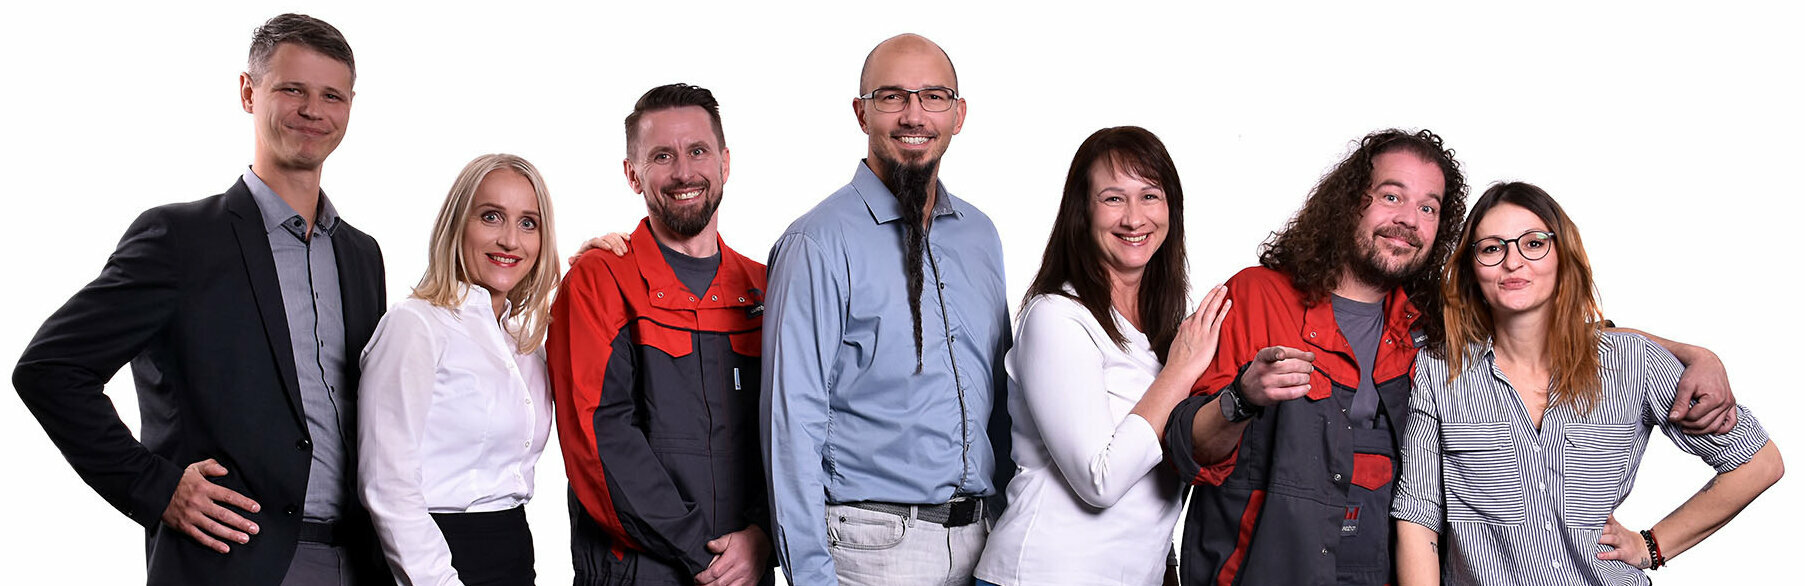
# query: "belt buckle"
[962,511]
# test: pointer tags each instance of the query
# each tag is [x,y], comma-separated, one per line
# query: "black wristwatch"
[1235,408]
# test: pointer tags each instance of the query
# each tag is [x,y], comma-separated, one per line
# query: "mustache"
[1402,233]
[691,186]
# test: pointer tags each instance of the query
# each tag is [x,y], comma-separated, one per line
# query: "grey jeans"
[882,549]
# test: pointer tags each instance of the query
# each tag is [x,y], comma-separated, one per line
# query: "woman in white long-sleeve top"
[1091,503]
[1526,434]
[455,407]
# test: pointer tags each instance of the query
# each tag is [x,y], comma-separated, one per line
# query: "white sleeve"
[1058,365]
[400,367]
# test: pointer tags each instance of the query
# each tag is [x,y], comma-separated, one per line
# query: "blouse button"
[714,298]
[661,295]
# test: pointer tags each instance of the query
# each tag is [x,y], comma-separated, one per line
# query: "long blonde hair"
[447,271]
[1573,330]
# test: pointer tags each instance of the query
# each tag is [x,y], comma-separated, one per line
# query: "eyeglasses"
[892,100]
[1533,245]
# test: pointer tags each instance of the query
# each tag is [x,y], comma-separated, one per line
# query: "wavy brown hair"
[1573,334]
[1317,245]
[1072,255]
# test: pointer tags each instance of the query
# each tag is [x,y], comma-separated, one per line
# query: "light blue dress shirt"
[844,416]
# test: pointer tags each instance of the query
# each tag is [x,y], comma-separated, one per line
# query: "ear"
[959,116]
[726,163]
[245,87]
[632,175]
[858,111]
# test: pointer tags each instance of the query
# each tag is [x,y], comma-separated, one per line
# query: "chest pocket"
[1594,462]
[1481,477]
[672,341]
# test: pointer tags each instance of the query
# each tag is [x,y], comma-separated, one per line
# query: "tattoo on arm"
[1710,484]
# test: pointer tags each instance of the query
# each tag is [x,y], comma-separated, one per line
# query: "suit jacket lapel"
[260,266]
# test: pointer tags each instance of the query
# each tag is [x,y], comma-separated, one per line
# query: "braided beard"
[910,183]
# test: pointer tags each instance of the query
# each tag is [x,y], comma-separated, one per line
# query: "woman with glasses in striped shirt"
[1526,434]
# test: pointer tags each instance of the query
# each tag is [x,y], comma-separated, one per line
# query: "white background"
[1671,133]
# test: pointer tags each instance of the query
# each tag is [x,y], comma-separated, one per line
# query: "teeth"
[1135,239]
[915,140]
[687,195]
[503,260]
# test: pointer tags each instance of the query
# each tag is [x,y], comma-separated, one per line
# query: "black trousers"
[489,549]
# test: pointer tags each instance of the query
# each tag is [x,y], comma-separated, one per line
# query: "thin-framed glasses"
[1533,245]
[892,100]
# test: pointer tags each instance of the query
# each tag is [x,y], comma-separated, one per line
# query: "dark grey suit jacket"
[191,299]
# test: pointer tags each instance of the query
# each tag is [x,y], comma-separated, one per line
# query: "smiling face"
[301,105]
[680,167]
[1515,285]
[501,234]
[914,136]
[1128,220]
[1396,230]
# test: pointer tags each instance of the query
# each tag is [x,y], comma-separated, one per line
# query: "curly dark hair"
[1316,246]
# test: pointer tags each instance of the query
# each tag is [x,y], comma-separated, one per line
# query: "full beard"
[1369,265]
[690,221]
[910,184]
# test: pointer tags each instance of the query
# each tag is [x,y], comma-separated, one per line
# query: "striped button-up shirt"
[1515,505]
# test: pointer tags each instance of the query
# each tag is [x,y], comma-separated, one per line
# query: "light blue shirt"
[844,416]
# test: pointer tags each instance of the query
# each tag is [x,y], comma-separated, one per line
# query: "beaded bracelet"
[1655,559]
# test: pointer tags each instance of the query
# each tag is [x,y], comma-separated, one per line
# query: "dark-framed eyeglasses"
[1533,245]
[892,100]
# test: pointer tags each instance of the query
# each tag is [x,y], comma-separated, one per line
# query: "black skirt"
[489,549]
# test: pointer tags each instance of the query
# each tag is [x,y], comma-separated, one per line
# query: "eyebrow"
[1400,185]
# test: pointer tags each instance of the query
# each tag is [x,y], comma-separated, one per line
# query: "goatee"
[1368,263]
[910,184]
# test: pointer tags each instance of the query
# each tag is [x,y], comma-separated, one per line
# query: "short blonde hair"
[447,271]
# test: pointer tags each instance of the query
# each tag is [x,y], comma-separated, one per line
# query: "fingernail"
[254,528]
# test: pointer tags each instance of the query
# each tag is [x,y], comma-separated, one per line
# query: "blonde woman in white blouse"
[455,408]
[1091,502]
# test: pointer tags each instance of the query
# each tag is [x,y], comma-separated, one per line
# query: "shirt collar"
[278,214]
[883,205]
[477,300]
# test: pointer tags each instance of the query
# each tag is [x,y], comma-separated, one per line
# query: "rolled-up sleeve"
[1060,369]
[1419,495]
[802,332]
[1723,452]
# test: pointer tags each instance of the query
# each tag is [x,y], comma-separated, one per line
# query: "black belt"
[326,533]
[958,512]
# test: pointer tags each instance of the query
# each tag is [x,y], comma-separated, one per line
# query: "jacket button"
[1337,478]
[661,295]
[304,444]
[289,510]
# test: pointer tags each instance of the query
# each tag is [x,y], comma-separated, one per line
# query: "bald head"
[904,46]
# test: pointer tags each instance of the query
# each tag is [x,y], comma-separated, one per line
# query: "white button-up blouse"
[451,419]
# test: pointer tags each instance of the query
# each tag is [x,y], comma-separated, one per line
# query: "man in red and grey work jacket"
[654,358]
[1291,436]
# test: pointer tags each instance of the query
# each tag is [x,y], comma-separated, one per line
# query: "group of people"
[1401,392]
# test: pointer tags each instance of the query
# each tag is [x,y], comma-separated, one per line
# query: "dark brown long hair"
[1573,336]
[1317,245]
[1072,255]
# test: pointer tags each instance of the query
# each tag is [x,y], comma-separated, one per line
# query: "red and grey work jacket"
[1273,511]
[657,403]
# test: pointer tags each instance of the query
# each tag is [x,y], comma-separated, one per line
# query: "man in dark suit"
[241,315]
